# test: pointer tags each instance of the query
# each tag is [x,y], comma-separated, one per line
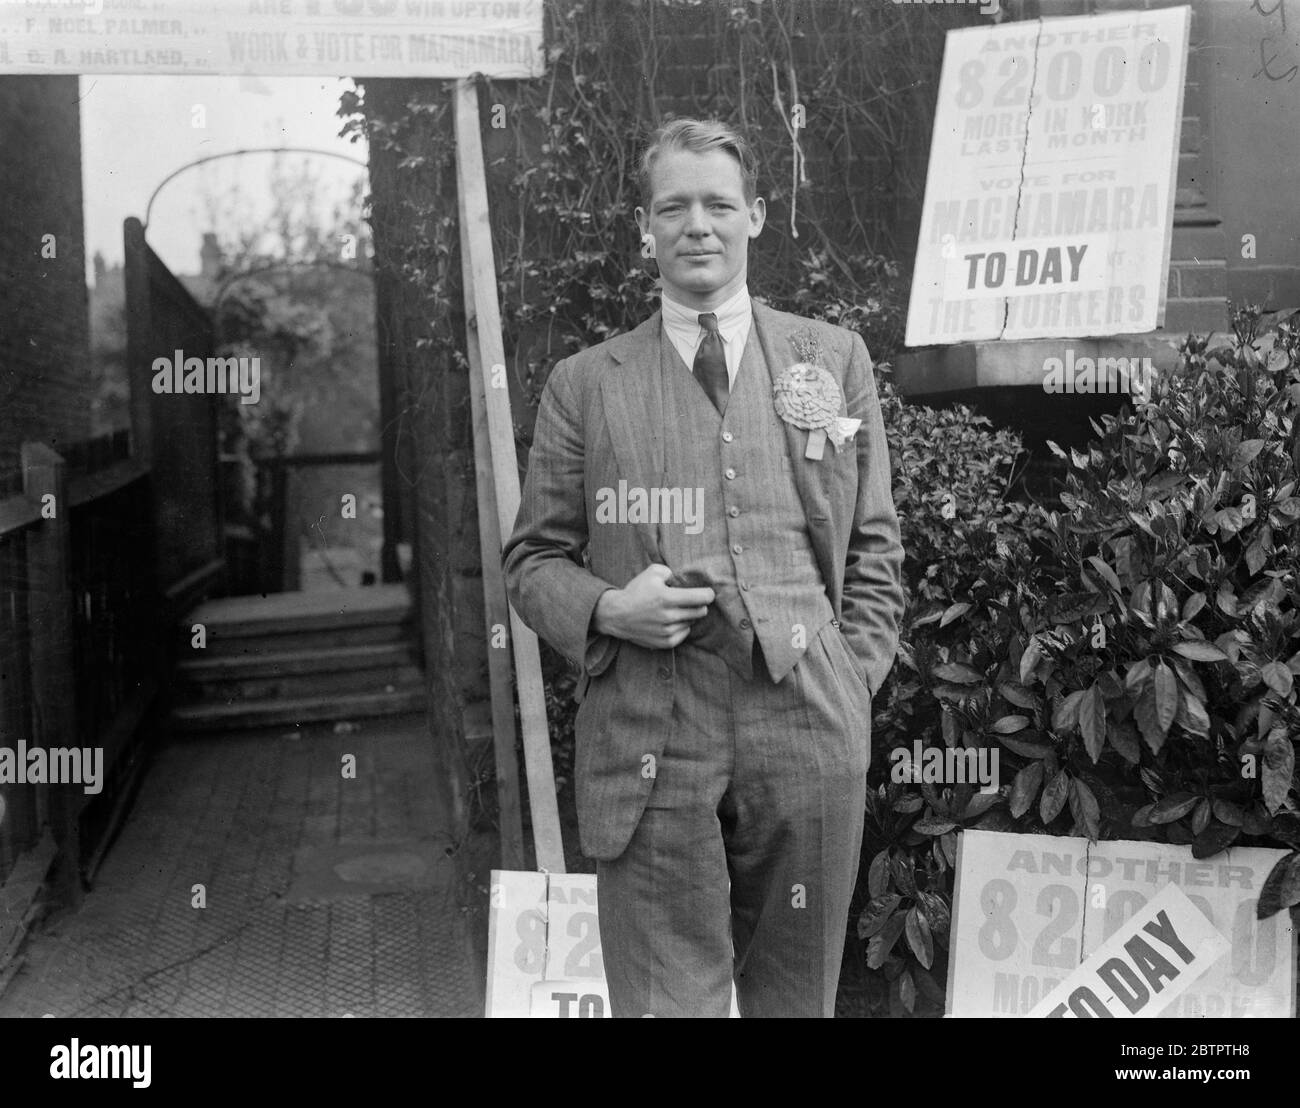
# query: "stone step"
[215,669]
[286,622]
[288,685]
[241,715]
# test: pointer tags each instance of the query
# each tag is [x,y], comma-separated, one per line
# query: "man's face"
[701,225]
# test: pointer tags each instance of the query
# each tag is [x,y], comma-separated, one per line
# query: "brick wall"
[45,386]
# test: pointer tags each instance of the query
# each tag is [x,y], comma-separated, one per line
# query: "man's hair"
[698,136]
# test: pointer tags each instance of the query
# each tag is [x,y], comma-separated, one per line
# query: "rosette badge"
[808,396]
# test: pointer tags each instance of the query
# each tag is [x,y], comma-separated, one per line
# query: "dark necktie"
[710,367]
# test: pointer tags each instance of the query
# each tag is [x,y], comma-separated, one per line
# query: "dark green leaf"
[1018,695]
[1054,797]
[1257,821]
[1065,717]
[958,674]
[1200,651]
[1030,658]
[907,990]
[1225,811]
[881,943]
[878,874]
[1281,887]
[1108,574]
[1166,704]
[1246,452]
[1200,816]
[1024,748]
[1124,738]
[1277,677]
[1144,714]
[1009,725]
[1173,807]
[1192,606]
[1084,808]
[1216,837]
[876,914]
[1278,765]
[918,937]
[954,611]
[1192,716]
[1286,828]
[1025,788]
[980,803]
[932,825]
[903,870]
[1092,722]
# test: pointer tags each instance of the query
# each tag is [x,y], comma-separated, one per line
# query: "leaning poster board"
[1049,200]
[1028,910]
[544,955]
[544,946]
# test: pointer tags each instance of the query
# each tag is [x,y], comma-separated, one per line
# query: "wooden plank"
[485,323]
[49,614]
[139,329]
[85,487]
[496,607]
[17,512]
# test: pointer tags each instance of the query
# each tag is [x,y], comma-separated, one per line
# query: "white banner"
[1049,201]
[283,38]
[1030,910]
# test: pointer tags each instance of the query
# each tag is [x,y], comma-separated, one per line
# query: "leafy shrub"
[1131,656]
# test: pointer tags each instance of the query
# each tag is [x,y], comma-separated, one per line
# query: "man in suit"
[702,532]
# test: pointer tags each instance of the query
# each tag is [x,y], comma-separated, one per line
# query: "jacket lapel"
[774,332]
[631,390]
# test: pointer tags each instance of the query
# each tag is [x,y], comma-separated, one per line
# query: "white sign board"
[1049,200]
[1154,958]
[286,38]
[544,955]
[544,947]
[1028,910]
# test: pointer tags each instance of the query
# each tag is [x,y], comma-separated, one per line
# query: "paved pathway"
[324,896]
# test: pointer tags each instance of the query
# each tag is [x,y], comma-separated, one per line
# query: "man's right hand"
[650,612]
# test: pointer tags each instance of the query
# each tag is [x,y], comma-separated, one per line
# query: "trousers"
[743,864]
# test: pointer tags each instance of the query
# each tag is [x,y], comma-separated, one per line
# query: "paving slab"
[253,879]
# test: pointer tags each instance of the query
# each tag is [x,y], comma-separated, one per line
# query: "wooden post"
[49,616]
[496,608]
[485,322]
[139,328]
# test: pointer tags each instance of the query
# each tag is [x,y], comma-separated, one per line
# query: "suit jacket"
[600,421]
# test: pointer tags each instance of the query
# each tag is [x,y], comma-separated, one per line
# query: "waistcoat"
[748,539]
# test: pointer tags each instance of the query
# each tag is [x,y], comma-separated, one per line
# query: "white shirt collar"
[733,316]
